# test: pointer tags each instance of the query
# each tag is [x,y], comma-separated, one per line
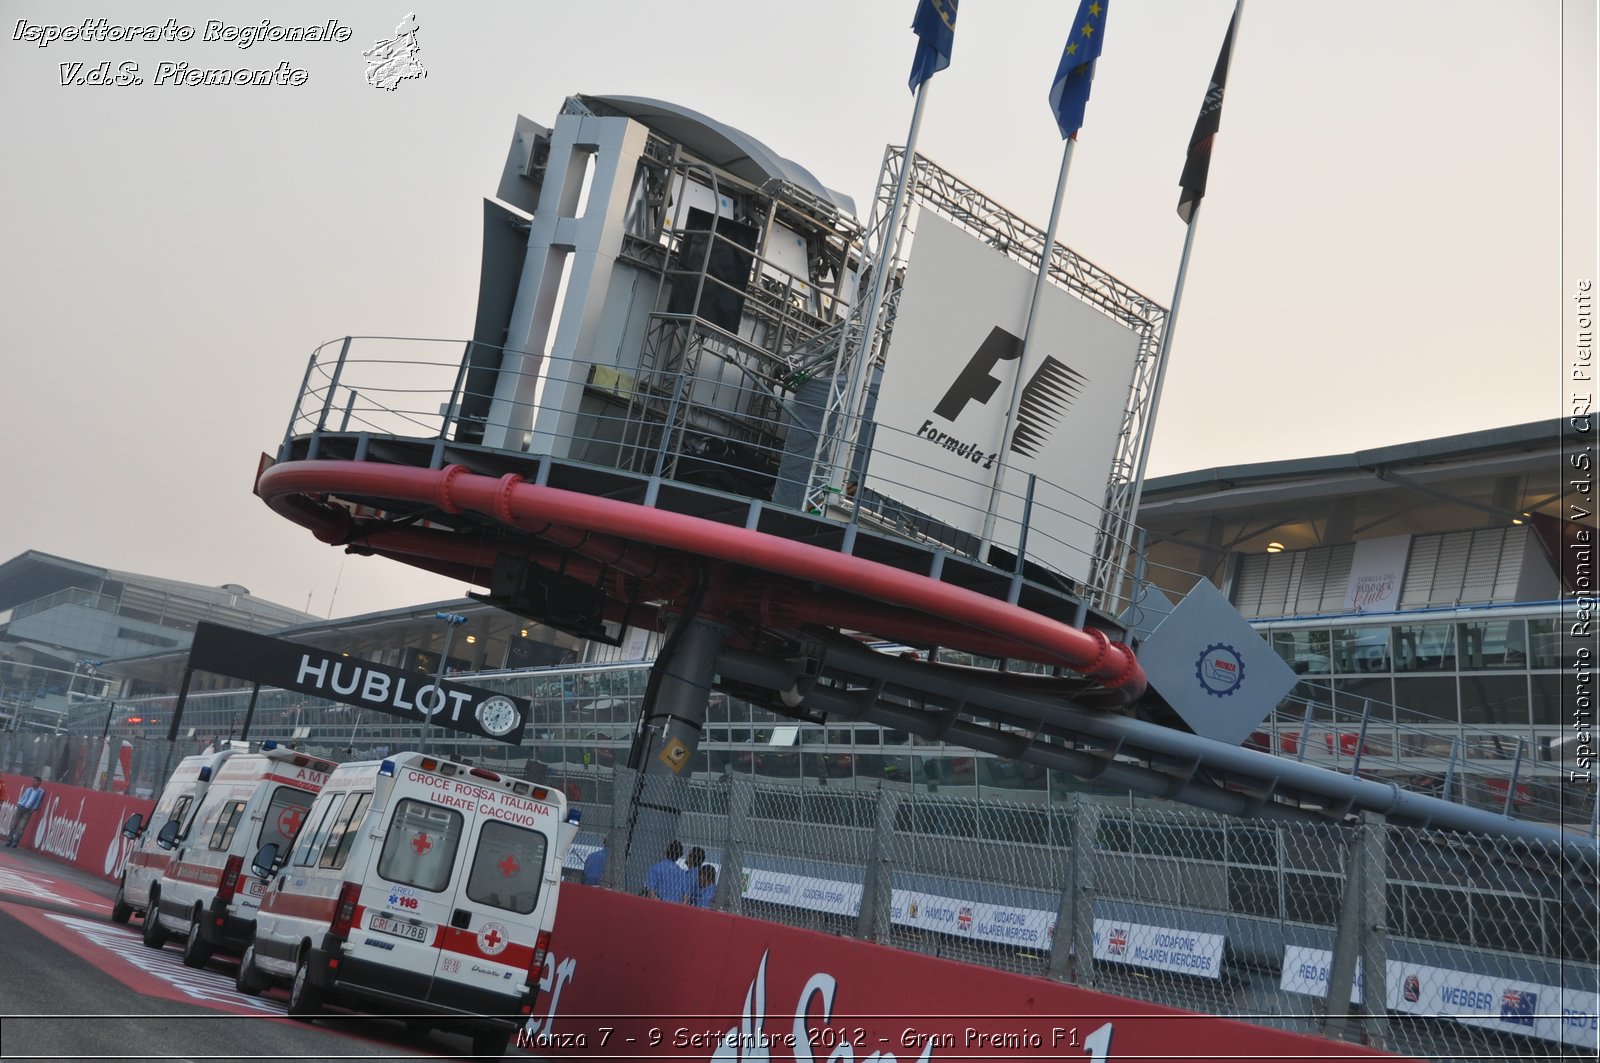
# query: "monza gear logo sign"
[1220,670]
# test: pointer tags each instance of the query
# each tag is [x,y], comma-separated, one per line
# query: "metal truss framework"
[934,188]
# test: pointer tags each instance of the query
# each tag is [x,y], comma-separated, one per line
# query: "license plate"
[384,925]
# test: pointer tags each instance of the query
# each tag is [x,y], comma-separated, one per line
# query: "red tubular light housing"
[230,878]
[344,910]
[485,773]
[541,948]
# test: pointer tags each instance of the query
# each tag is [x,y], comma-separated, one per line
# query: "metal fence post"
[741,810]
[1346,940]
[1375,927]
[1085,829]
[873,922]
[1059,964]
[620,840]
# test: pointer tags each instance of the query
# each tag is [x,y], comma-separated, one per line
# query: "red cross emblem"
[289,821]
[421,843]
[509,866]
[492,939]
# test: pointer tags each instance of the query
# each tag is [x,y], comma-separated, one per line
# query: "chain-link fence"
[1445,945]
[1475,946]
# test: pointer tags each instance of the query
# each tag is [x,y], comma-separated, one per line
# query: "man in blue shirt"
[594,865]
[705,890]
[27,804]
[666,879]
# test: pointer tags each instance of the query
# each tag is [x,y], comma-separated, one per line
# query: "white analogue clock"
[498,715]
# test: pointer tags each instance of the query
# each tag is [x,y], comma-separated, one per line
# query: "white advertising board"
[950,376]
[1525,1009]
[1160,948]
[1306,970]
[1027,927]
[802,891]
[1376,572]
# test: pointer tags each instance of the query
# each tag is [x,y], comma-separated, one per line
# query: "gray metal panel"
[723,145]
[1213,669]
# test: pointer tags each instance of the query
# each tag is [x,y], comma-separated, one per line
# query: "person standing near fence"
[666,879]
[594,865]
[705,890]
[28,803]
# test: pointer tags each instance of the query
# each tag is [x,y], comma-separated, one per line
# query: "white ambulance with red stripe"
[147,861]
[207,893]
[421,887]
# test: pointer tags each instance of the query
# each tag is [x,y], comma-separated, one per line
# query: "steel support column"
[671,721]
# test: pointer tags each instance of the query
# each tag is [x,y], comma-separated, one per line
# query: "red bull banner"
[75,825]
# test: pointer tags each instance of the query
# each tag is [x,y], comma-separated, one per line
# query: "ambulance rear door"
[408,889]
[500,900]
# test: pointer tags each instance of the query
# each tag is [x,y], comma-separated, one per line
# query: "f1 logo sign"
[1044,400]
[976,383]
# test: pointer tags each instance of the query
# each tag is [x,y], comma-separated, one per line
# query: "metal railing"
[709,427]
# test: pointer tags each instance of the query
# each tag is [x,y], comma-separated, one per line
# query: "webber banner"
[328,674]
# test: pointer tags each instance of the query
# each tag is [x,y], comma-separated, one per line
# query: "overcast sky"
[1379,258]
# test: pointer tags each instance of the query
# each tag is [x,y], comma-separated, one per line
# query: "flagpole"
[880,277]
[1148,434]
[1040,280]
[1161,364]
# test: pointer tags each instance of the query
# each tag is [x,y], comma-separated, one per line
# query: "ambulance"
[178,801]
[206,894]
[419,887]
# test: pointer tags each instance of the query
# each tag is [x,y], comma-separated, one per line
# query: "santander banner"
[76,826]
[703,985]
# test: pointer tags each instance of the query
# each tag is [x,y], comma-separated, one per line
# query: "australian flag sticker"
[1517,1006]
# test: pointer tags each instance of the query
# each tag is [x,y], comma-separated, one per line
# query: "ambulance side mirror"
[134,826]
[169,835]
[265,864]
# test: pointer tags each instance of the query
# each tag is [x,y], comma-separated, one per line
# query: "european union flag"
[935,27]
[1069,95]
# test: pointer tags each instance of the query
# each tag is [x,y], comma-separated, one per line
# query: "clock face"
[498,715]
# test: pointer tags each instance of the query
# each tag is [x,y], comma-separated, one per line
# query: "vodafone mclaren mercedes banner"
[327,674]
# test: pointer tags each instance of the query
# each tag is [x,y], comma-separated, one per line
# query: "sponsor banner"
[413,696]
[802,891]
[1306,970]
[1160,948]
[778,994]
[78,826]
[1376,572]
[999,923]
[1525,1009]
[951,377]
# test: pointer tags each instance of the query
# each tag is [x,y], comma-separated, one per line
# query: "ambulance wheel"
[305,999]
[155,935]
[249,981]
[121,910]
[196,949]
[490,1043]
